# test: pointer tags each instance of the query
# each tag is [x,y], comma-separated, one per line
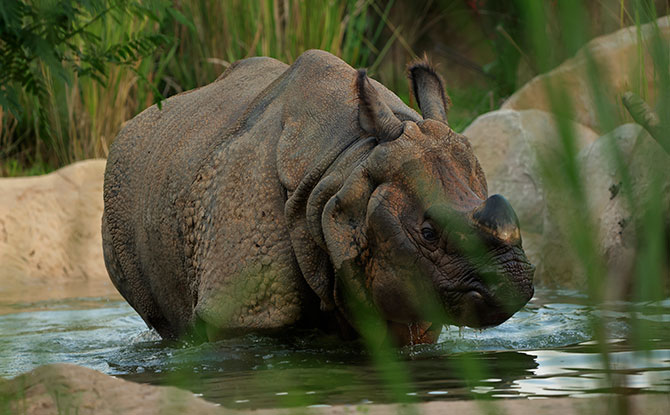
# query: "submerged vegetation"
[72,76]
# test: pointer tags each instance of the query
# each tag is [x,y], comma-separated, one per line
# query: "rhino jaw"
[410,334]
[480,310]
[491,293]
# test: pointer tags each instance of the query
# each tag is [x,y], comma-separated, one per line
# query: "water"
[547,349]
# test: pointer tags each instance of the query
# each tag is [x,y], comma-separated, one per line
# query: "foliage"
[563,175]
[49,49]
[59,37]
[79,70]
[214,34]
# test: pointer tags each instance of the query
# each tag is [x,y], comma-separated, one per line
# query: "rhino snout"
[499,292]
[496,278]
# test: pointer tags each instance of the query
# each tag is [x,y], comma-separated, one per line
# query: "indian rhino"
[281,196]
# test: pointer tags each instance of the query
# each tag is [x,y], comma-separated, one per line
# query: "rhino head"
[412,233]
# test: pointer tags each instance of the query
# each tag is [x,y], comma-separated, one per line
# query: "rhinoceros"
[306,196]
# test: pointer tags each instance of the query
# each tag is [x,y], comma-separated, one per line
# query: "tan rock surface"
[617,57]
[611,209]
[68,389]
[50,240]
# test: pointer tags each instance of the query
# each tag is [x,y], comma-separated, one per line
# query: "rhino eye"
[428,233]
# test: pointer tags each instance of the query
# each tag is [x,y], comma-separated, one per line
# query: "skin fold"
[307,196]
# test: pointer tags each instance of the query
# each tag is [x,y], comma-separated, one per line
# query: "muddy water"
[547,349]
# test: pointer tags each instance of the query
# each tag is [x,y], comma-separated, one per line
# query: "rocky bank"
[523,146]
[50,239]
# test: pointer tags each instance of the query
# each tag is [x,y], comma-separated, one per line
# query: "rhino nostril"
[474,296]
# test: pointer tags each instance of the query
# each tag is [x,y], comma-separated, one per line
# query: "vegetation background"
[72,72]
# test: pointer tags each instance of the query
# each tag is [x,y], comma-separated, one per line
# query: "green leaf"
[157,93]
[9,100]
[178,16]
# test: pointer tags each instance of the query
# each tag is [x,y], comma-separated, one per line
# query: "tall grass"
[565,176]
[223,32]
[80,118]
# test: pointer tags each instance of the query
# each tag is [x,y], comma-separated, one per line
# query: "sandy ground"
[638,404]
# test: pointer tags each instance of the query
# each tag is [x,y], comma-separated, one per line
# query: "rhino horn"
[428,89]
[374,116]
[497,218]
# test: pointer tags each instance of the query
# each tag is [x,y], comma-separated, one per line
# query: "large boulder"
[50,239]
[612,207]
[69,389]
[621,61]
[509,145]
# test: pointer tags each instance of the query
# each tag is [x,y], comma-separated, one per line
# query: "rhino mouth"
[410,334]
[481,310]
[494,296]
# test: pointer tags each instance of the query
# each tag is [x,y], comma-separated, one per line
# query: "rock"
[507,144]
[70,389]
[617,57]
[611,207]
[50,238]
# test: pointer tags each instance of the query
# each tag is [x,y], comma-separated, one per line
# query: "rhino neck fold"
[304,207]
[298,199]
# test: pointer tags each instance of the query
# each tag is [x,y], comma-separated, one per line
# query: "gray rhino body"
[247,204]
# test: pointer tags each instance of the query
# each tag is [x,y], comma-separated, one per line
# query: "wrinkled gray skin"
[280,195]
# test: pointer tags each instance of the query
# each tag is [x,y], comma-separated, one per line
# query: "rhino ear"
[375,117]
[428,89]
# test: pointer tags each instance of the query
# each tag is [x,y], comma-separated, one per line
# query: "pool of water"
[546,349]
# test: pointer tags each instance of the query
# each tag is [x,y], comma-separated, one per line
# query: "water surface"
[546,349]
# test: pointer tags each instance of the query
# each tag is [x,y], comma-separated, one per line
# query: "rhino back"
[152,161]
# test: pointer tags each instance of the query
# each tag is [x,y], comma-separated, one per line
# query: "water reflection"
[570,373]
[545,350]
